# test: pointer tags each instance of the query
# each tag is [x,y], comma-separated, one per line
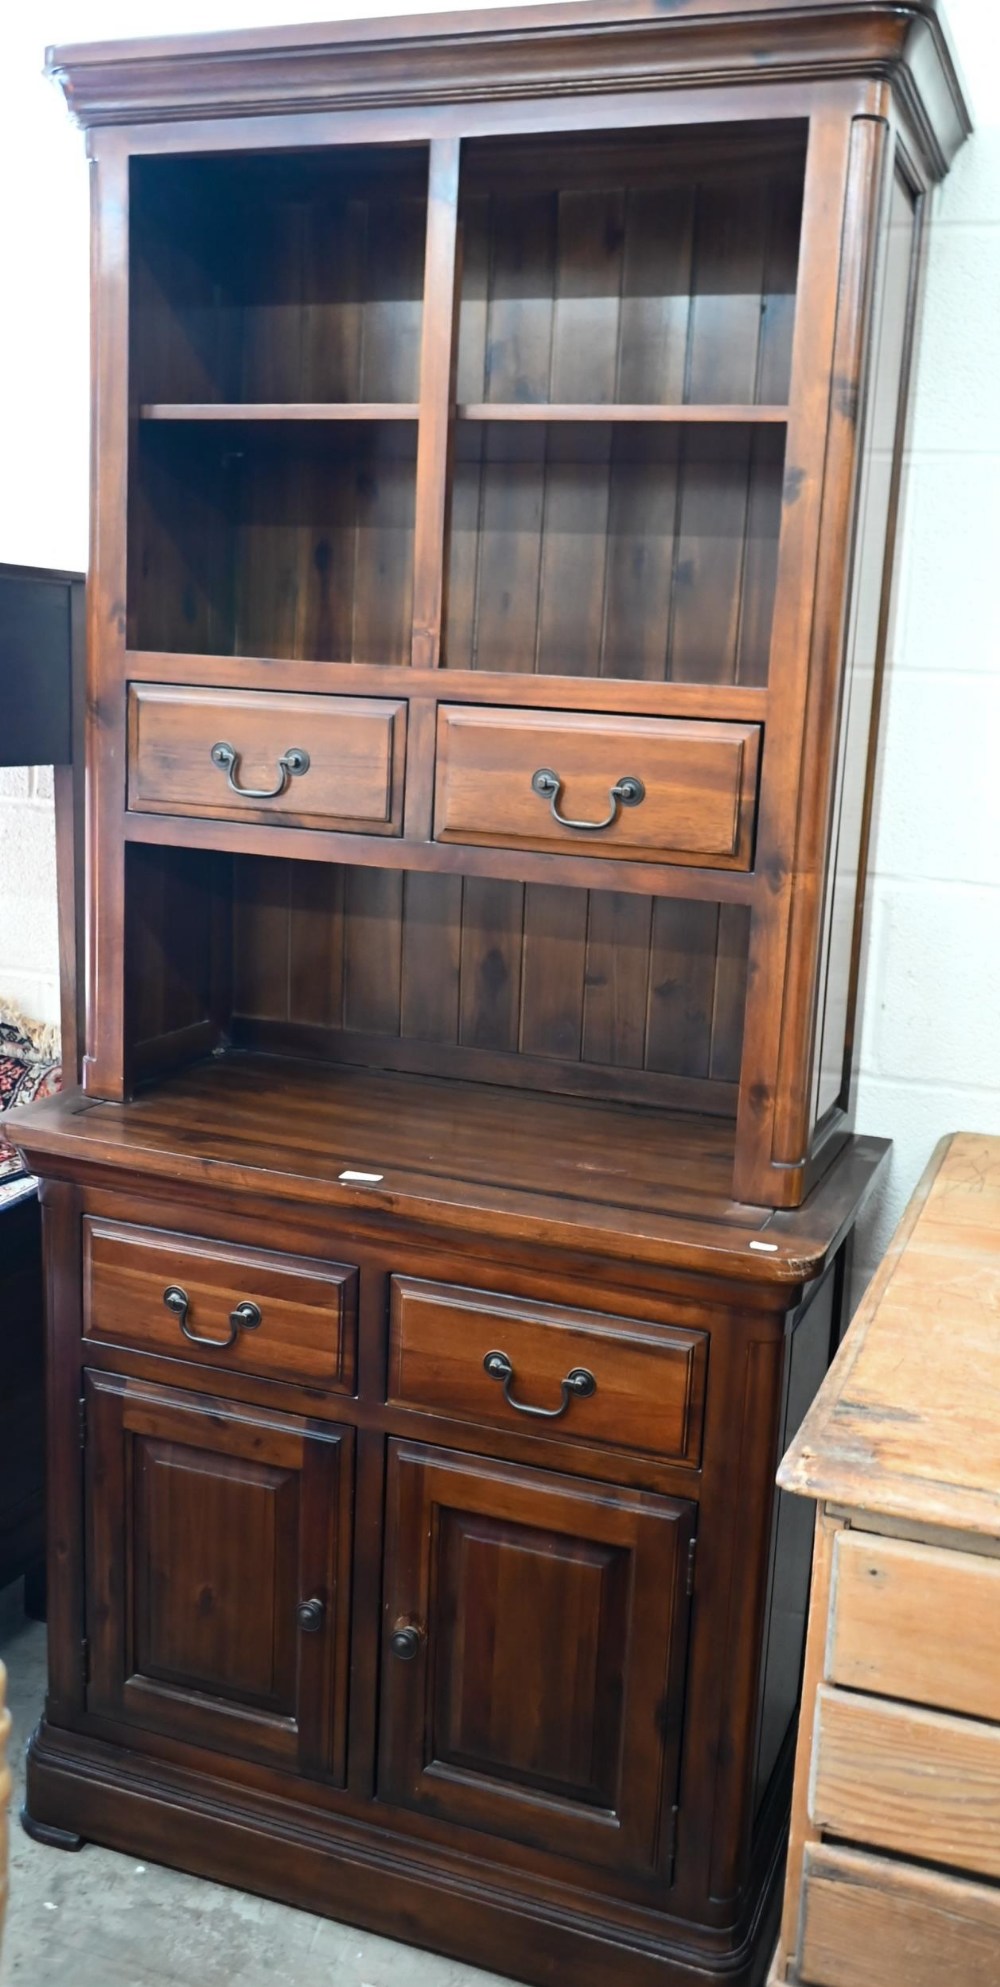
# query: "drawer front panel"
[239,754]
[911,1622]
[919,1783]
[648,1380]
[866,1920]
[180,1296]
[645,789]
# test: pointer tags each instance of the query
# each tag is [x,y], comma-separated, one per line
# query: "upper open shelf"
[278,278]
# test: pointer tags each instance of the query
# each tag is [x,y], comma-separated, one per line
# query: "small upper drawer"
[915,1622]
[245,1310]
[308,762]
[647,789]
[516,1364]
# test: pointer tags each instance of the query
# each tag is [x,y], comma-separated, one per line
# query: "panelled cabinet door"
[534,1650]
[218,1573]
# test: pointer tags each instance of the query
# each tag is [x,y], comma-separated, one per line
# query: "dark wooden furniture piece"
[497,438]
[41,677]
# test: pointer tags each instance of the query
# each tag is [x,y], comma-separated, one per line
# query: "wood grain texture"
[898,1425]
[308,1309]
[699,784]
[532,986]
[650,1384]
[917,1782]
[866,1919]
[916,1622]
[355,746]
[495,1740]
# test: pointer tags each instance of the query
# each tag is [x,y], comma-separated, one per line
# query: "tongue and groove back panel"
[595,992]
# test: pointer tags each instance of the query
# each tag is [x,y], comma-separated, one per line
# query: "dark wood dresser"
[498,423]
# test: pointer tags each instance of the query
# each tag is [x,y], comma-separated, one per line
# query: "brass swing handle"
[626,792]
[244,1317]
[580,1383]
[291,766]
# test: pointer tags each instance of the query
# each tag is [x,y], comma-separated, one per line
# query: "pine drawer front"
[913,1622]
[644,789]
[867,1922]
[484,1357]
[919,1783]
[187,1298]
[304,761]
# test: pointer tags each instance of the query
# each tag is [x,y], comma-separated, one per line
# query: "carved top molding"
[550,51]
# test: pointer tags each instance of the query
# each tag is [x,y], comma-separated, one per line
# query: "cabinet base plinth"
[82,1790]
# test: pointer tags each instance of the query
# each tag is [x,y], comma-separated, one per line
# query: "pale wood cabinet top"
[907,1423]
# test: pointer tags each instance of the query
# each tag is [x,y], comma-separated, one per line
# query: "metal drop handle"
[244,1317]
[291,766]
[626,792]
[579,1385]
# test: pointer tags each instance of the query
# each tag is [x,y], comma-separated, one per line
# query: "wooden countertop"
[617,1180]
[907,1422]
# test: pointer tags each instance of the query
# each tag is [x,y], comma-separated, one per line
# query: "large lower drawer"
[918,1783]
[306,761]
[868,1922]
[507,1362]
[913,1622]
[645,789]
[244,1310]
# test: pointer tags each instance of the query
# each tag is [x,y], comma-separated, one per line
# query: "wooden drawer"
[180,741]
[306,1328]
[697,784]
[867,1922]
[649,1380]
[912,1622]
[919,1783]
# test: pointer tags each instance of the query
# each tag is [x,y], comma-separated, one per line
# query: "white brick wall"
[930,1034]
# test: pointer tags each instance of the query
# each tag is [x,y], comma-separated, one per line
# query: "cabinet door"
[534,1647]
[218,1572]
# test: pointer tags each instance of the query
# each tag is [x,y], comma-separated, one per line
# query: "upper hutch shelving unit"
[497,428]
[557,435]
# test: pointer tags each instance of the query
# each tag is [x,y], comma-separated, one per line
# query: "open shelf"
[279,410]
[285,277]
[589,410]
[639,270]
[261,539]
[636,550]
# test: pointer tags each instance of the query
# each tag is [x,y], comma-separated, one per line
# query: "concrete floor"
[101,1920]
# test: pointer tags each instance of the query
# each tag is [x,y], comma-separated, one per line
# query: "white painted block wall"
[930,1032]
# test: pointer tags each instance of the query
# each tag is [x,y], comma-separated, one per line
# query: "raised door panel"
[218,1573]
[535,1631]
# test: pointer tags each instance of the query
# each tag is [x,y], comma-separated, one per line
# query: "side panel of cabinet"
[210,1526]
[534,1651]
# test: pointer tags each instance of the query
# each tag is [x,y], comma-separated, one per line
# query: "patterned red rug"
[29,1068]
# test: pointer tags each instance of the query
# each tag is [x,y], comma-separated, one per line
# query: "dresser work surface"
[894,1864]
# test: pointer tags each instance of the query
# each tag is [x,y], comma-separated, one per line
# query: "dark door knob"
[405,1643]
[309,1615]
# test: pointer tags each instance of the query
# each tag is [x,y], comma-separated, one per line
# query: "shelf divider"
[279,410]
[599,411]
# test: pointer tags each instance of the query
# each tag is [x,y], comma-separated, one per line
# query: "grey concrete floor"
[101,1920]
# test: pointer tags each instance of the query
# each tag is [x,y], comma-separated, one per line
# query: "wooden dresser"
[497,436]
[894,1864]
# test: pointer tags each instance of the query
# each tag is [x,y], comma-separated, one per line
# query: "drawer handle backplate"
[244,1317]
[291,766]
[626,792]
[580,1383]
